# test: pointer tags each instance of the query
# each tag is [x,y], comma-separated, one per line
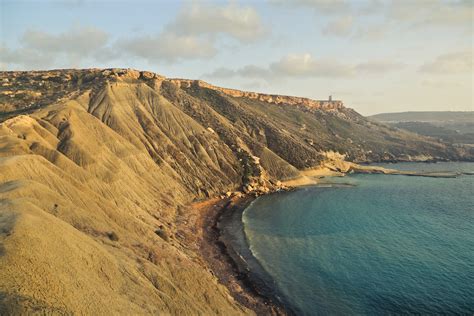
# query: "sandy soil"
[215,254]
[312,176]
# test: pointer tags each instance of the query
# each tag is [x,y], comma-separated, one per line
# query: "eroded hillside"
[97,167]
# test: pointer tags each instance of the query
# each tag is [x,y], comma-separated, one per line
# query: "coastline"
[224,249]
[222,233]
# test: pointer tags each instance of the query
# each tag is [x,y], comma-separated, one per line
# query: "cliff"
[98,167]
[13,96]
[269,98]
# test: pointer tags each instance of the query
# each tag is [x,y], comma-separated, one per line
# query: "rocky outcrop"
[269,98]
[61,83]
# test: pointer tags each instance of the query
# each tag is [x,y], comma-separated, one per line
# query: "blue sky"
[375,55]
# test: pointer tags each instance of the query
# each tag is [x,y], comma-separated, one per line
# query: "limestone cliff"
[269,98]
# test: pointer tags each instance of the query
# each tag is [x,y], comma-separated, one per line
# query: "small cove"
[377,244]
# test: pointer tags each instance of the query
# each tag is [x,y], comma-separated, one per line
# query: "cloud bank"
[192,34]
[452,63]
[305,66]
[41,49]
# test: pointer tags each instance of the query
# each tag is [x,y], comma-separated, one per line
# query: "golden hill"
[97,167]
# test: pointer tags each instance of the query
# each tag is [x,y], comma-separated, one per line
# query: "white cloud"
[77,41]
[248,71]
[253,71]
[432,12]
[372,32]
[167,46]
[341,26]
[221,72]
[452,63]
[378,66]
[241,23]
[437,84]
[323,6]
[193,33]
[389,15]
[23,58]
[304,66]
[41,50]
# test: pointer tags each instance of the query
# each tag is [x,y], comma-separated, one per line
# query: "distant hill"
[450,127]
[428,116]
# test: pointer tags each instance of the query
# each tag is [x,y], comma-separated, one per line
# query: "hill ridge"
[153,79]
[98,169]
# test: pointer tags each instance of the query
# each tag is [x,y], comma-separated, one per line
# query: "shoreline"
[224,248]
[232,235]
[221,226]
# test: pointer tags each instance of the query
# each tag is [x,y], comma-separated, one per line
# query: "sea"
[370,244]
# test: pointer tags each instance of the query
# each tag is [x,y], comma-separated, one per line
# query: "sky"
[374,55]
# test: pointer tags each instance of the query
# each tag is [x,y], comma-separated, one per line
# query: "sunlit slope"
[96,174]
[71,185]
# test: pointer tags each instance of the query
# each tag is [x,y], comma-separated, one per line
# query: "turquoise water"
[387,245]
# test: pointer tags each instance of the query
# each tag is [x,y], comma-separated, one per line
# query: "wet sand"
[221,226]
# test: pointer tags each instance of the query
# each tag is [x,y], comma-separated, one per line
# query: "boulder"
[237,194]
[147,75]
[162,233]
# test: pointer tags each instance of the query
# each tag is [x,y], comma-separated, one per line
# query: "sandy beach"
[218,254]
[218,237]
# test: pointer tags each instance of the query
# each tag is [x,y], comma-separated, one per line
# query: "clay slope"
[81,201]
[95,175]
